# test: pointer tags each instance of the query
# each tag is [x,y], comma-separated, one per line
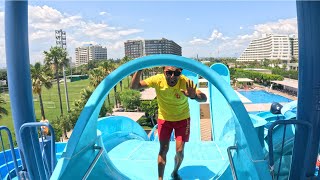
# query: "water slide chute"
[194,110]
[221,113]
[116,129]
[82,146]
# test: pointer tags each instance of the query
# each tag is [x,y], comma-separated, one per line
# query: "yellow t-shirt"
[172,103]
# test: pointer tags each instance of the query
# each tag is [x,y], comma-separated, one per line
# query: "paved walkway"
[205,122]
[275,92]
[288,82]
[148,94]
[132,115]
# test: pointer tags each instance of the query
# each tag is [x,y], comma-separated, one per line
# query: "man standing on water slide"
[173,90]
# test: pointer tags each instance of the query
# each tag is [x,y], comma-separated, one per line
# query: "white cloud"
[116,45]
[43,20]
[282,26]
[88,42]
[215,35]
[197,41]
[233,47]
[104,13]
[44,14]
[188,19]
[240,27]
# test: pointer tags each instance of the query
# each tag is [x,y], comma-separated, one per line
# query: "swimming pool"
[261,96]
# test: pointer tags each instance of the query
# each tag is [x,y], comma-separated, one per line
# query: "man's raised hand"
[190,90]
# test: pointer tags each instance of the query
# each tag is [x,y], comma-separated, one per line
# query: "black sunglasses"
[176,73]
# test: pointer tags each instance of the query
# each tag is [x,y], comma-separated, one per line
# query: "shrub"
[258,77]
[130,99]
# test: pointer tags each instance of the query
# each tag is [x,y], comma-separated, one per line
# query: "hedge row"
[292,74]
[260,78]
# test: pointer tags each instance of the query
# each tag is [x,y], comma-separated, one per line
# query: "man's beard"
[172,82]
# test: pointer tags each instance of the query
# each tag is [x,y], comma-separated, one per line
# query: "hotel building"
[272,47]
[138,48]
[90,52]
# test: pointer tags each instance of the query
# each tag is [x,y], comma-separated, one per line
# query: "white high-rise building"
[295,47]
[90,52]
[272,47]
[138,48]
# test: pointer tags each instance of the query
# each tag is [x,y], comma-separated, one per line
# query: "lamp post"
[61,40]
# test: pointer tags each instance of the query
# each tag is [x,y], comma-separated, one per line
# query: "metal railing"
[48,172]
[270,140]
[94,162]
[14,158]
[233,170]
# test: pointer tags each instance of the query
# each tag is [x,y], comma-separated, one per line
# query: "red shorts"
[181,129]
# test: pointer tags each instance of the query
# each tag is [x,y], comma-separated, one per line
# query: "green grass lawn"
[51,102]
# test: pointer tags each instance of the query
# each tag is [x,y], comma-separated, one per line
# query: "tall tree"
[3,111]
[3,75]
[56,58]
[96,75]
[123,61]
[40,77]
[107,67]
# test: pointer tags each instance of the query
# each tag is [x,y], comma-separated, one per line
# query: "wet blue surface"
[263,97]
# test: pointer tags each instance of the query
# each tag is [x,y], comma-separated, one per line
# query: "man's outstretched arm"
[135,81]
[200,96]
[192,92]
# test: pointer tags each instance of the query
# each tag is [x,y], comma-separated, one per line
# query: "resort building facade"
[90,52]
[139,48]
[272,47]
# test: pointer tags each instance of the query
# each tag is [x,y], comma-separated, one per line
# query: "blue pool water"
[263,97]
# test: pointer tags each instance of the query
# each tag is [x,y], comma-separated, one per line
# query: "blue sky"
[205,28]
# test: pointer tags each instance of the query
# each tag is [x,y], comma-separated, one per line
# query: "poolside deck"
[257,107]
[132,115]
[148,94]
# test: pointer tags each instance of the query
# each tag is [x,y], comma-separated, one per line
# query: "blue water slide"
[116,129]
[289,110]
[7,163]
[195,134]
[268,116]
[281,134]
[220,111]
[222,117]
[224,122]
[283,142]
[86,145]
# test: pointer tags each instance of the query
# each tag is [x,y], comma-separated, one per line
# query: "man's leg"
[162,157]
[178,158]
[182,132]
[164,132]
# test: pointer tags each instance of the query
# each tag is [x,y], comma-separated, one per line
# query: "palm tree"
[96,75]
[123,61]
[40,77]
[3,110]
[56,58]
[108,67]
